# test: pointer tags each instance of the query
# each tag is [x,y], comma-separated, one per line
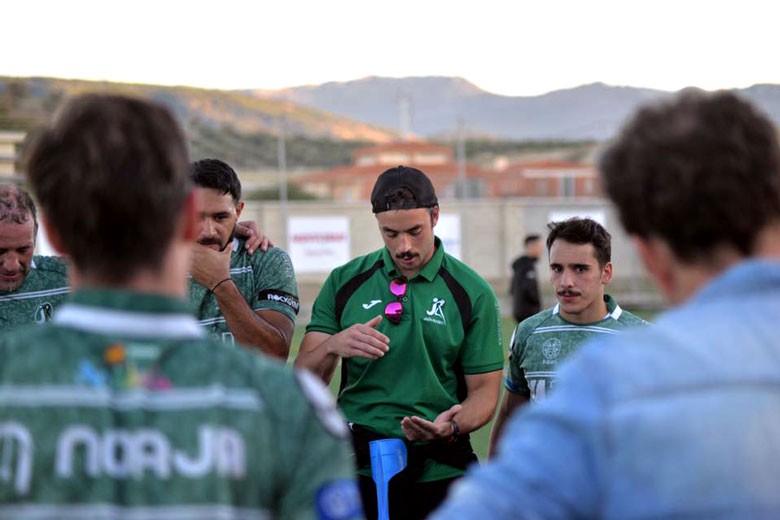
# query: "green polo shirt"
[44,289]
[449,327]
[265,278]
[122,407]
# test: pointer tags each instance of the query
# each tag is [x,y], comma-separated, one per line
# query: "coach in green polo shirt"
[417,332]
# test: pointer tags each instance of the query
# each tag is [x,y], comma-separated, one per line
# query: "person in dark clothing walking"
[525,287]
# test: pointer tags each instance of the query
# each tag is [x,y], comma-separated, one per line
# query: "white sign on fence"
[318,244]
[448,230]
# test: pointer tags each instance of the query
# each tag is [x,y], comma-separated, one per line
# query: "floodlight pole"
[282,160]
[462,158]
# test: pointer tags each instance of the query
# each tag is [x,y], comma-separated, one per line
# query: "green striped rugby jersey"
[540,343]
[265,278]
[121,408]
[44,289]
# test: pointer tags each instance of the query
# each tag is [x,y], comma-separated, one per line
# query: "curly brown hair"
[699,171]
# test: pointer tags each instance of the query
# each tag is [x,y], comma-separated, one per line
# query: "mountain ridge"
[368,109]
[33,100]
[593,111]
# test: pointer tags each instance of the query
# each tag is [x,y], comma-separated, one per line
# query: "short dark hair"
[583,231]
[17,206]
[402,187]
[699,171]
[110,172]
[216,175]
[531,238]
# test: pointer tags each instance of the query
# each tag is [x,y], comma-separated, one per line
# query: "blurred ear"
[55,240]
[659,262]
[239,208]
[434,215]
[189,219]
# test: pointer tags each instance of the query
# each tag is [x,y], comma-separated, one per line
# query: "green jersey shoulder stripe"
[138,324]
[540,373]
[235,270]
[191,398]
[582,328]
[34,294]
[211,321]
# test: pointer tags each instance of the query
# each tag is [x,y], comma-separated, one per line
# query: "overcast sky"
[510,47]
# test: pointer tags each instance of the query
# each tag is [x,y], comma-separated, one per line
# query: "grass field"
[481,437]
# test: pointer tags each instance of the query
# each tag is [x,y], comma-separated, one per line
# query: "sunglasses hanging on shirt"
[394,310]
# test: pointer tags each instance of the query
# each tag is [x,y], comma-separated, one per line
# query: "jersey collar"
[429,270]
[613,309]
[129,314]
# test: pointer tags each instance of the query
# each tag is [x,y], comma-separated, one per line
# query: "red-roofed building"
[355,182]
[406,152]
[552,178]
[522,179]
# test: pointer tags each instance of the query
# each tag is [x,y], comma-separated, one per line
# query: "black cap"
[402,187]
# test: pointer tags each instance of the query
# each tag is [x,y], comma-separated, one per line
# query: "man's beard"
[215,240]
[7,287]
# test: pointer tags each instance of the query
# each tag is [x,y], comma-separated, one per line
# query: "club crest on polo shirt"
[436,313]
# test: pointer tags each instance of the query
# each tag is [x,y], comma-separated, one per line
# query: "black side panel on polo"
[348,289]
[342,297]
[464,306]
[461,297]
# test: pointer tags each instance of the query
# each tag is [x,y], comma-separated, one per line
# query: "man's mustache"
[405,256]
[207,241]
[568,293]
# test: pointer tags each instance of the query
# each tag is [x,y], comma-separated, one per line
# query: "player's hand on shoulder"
[254,239]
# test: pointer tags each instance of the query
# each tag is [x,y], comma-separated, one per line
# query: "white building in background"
[9,151]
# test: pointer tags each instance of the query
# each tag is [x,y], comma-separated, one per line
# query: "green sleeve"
[275,285]
[483,349]
[514,379]
[319,476]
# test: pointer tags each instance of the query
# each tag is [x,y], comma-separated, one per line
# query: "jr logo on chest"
[436,313]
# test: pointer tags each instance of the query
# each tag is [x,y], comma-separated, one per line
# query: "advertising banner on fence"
[448,229]
[318,244]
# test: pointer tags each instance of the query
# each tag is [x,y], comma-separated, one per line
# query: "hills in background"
[588,112]
[31,100]
[325,123]
[238,127]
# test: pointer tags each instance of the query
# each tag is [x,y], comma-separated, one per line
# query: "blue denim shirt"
[677,420]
